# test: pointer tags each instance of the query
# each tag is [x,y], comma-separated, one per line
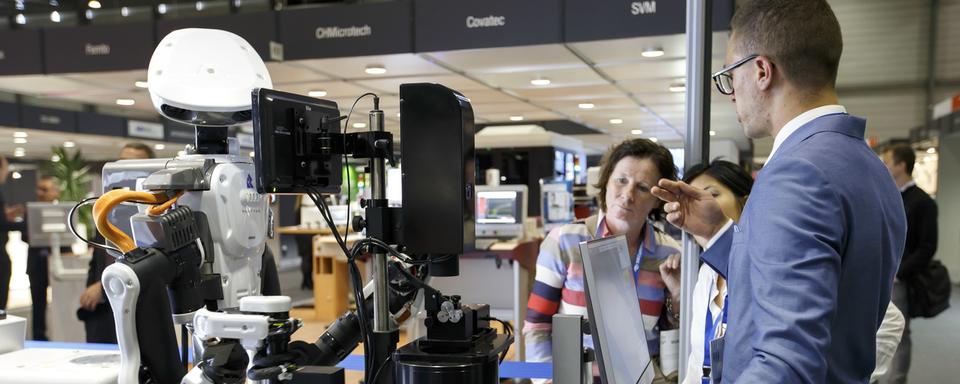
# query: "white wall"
[948,201]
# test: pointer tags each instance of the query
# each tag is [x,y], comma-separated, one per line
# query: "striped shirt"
[559,285]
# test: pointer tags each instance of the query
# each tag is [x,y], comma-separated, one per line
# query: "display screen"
[498,207]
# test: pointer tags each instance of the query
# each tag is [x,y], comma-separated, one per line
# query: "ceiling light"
[20,19]
[55,158]
[16,175]
[317,93]
[540,81]
[713,133]
[359,125]
[55,16]
[54,3]
[19,150]
[516,118]
[616,121]
[93,4]
[162,8]
[199,6]
[931,150]
[654,139]
[677,87]
[652,52]
[69,144]
[398,114]
[238,3]
[637,131]
[20,134]
[585,105]
[141,84]
[19,4]
[253,154]
[159,147]
[126,102]
[19,140]
[375,69]
[88,14]
[124,11]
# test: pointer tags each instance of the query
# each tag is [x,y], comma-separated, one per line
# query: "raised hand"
[692,209]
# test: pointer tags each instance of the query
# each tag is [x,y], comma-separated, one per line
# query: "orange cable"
[109,200]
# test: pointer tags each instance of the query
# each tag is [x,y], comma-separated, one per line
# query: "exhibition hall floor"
[935,345]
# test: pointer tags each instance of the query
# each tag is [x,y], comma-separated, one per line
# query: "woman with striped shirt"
[628,171]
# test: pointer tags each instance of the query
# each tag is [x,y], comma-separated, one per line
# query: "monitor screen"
[498,207]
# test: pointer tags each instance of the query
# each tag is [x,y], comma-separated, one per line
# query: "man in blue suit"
[811,263]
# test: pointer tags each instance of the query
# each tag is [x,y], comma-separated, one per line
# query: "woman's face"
[628,196]
[729,203]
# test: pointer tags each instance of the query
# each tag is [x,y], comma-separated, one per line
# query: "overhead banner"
[48,119]
[347,30]
[95,48]
[179,132]
[9,115]
[145,130]
[20,52]
[258,28]
[464,24]
[97,124]
[586,20]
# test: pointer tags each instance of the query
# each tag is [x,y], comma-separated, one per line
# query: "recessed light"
[69,144]
[637,131]
[375,69]
[516,118]
[141,84]
[654,139]
[317,93]
[652,52]
[16,175]
[124,11]
[20,19]
[616,121]
[93,4]
[55,158]
[713,133]
[359,125]
[253,154]
[931,150]
[677,87]
[398,114]
[88,14]
[540,81]
[199,6]
[125,102]
[55,16]
[19,140]
[159,147]
[20,134]
[237,3]
[162,8]
[585,105]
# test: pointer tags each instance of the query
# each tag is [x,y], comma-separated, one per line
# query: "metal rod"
[932,59]
[696,150]
[381,300]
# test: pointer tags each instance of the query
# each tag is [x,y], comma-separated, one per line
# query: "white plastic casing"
[122,287]
[205,70]
[265,304]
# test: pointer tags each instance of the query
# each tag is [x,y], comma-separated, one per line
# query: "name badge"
[716,359]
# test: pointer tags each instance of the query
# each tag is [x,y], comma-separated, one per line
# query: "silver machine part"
[381,299]
[569,366]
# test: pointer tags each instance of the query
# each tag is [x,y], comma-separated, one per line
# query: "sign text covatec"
[643,7]
[486,22]
[96,49]
[343,32]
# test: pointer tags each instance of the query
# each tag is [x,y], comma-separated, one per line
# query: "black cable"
[376,375]
[77,234]
[507,328]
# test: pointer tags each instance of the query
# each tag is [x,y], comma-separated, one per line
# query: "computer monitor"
[616,323]
[47,219]
[556,203]
[501,211]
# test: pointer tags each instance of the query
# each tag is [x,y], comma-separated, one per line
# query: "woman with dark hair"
[627,207]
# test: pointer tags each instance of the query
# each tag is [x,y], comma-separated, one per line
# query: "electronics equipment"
[556,203]
[501,211]
[616,326]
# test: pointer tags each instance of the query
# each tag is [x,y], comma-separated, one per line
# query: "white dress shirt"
[802,119]
[704,294]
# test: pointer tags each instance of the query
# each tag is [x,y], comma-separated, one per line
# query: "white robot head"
[205,77]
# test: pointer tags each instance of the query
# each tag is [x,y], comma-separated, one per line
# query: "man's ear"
[765,72]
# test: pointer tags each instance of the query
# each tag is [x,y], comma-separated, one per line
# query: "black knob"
[359,223]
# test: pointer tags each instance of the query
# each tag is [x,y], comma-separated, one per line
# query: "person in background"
[8,217]
[921,244]
[628,171]
[94,308]
[730,185]
[38,264]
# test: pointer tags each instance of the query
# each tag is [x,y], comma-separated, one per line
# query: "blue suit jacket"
[811,264]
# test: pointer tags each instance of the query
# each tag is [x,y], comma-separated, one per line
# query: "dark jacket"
[921,242]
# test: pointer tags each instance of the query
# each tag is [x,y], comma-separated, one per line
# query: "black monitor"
[290,156]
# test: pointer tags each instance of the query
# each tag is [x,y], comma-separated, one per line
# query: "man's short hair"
[903,153]
[802,37]
[141,147]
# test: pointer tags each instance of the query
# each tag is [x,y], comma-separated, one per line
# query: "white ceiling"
[881,78]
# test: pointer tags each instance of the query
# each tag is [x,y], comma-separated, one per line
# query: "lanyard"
[710,331]
[638,258]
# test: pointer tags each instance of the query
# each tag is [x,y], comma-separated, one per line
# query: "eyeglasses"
[724,80]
